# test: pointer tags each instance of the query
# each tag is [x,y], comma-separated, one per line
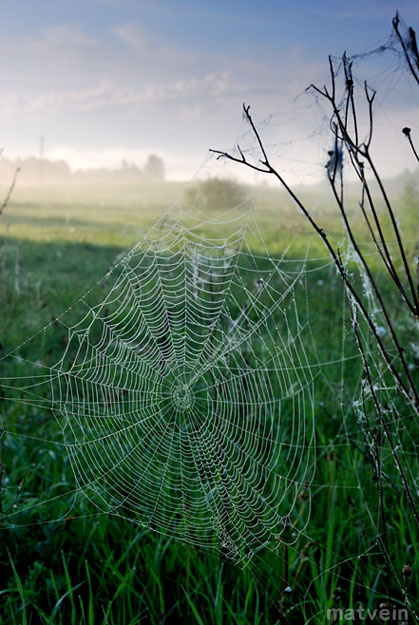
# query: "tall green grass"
[90,568]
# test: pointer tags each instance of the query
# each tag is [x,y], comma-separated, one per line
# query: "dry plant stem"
[376,455]
[377,245]
[413,47]
[382,420]
[368,454]
[396,231]
[9,192]
[3,205]
[267,168]
[381,245]
[407,132]
[384,539]
[284,585]
[410,391]
[355,150]
[381,248]
[414,306]
[1,472]
[376,289]
[286,566]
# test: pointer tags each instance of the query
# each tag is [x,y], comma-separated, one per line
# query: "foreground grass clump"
[63,562]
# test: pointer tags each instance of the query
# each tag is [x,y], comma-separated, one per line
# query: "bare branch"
[9,192]
[407,132]
[413,46]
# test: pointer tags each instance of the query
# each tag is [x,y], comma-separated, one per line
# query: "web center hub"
[182,398]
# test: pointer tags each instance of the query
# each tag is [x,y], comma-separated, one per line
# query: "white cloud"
[131,35]
[15,104]
[106,94]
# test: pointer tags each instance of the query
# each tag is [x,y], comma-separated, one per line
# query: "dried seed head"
[331,456]
[305,493]
[407,570]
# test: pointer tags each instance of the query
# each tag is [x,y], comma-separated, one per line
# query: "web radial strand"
[185,395]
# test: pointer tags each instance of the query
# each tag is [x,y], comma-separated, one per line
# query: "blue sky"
[110,79]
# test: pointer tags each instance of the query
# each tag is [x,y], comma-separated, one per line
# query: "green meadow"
[63,563]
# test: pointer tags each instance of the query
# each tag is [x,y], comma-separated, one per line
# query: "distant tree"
[127,172]
[154,168]
[216,193]
[35,170]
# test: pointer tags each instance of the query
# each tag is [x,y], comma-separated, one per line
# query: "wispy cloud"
[107,94]
[63,37]
[84,76]
[16,104]
[131,35]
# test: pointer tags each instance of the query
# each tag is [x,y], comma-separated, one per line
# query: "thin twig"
[396,22]
[407,132]
[9,192]
[320,231]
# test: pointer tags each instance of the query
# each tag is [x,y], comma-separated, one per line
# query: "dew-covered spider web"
[185,393]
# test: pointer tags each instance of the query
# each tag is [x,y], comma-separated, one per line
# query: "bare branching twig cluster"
[342,98]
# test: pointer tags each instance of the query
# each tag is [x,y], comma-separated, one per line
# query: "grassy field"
[62,563]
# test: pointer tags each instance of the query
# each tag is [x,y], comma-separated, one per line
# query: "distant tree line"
[38,171]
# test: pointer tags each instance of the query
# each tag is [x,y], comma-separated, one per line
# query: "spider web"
[185,396]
